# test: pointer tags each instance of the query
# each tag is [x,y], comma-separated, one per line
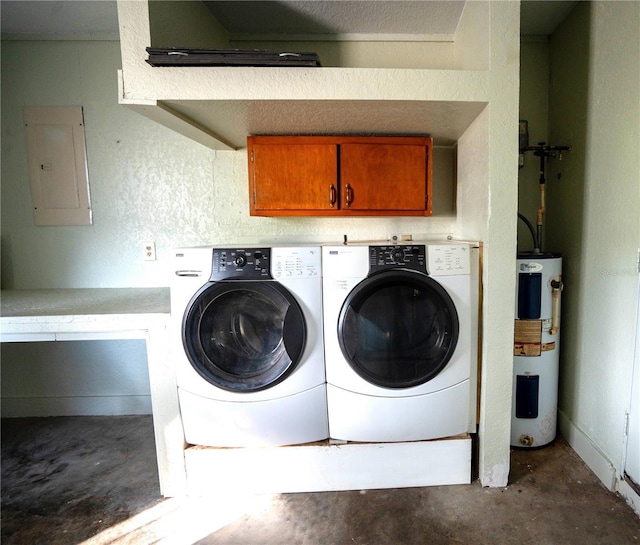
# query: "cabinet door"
[384,177]
[291,179]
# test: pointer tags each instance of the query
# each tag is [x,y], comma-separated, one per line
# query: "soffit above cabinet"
[234,120]
[439,96]
[219,107]
[335,18]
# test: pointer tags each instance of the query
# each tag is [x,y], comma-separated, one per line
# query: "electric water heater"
[536,350]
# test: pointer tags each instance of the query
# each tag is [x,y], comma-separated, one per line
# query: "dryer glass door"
[398,328]
[243,336]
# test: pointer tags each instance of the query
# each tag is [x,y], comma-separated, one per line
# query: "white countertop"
[112,314]
[59,302]
[51,314]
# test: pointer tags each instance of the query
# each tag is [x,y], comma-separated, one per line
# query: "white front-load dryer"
[400,341]
[247,342]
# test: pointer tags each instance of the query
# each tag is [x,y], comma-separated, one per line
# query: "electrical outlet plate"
[149,251]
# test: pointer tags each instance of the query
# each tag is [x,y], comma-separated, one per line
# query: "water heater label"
[530,267]
[527,338]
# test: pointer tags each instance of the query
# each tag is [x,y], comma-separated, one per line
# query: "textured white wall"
[144,180]
[593,214]
[147,183]
[472,48]
[486,211]
[500,247]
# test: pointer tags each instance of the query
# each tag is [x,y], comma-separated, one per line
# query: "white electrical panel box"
[58,165]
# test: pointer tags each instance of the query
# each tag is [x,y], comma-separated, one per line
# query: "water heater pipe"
[542,209]
[536,244]
[544,150]
[556,290]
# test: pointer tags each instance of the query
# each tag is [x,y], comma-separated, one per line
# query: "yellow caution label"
[548,347]
[527,338]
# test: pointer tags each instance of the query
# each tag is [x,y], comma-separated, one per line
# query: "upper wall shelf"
[439,95]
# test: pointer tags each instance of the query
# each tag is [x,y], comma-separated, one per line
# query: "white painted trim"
[595,459]
[630,495]
[328,467]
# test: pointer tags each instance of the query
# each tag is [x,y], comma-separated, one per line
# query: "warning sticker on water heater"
[527,338]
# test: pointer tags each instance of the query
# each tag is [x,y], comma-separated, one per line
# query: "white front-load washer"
[247,340]
[400,341]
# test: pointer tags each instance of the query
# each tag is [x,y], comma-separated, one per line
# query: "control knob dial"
[397,255]
[240,260]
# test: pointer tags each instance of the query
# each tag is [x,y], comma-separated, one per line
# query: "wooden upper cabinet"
[390,177]
[292,176]
[339,175]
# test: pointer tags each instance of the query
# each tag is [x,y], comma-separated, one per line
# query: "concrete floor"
[93,480]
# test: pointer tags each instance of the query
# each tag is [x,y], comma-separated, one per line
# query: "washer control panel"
[448,259]
[294,262]
[241,263]
[397,256]
[265,263]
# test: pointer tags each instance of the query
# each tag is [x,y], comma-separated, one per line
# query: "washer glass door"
[244,336]
[398,328]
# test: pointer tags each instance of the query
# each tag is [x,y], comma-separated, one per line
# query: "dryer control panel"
[241,264]
[397,256]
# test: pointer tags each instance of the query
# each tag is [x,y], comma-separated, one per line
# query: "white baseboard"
[630,495]
[588,451]
[597,461]
[324,467]
[76,406]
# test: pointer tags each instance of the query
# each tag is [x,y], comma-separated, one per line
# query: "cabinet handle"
[333,195]
[349,195]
